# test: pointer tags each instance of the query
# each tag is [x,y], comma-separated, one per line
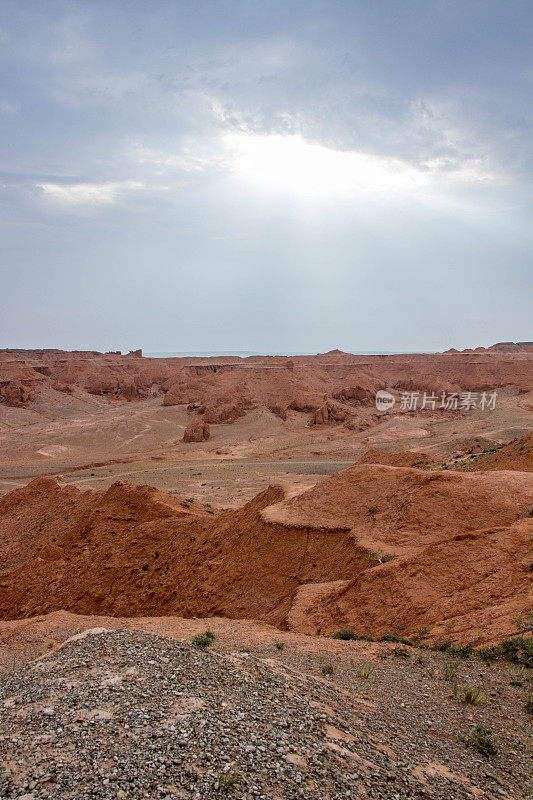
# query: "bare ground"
[92,443]
[142,713]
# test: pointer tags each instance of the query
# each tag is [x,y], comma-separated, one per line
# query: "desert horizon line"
[170,352]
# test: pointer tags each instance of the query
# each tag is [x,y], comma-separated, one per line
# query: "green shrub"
[380,556]
[401,652]
[519,649]
[447,646]
[328,669]
[228,783]
[280,645]
[442,647]
[490,654]
[204,639]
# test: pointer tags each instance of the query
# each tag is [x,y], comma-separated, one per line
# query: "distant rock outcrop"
[196,431]
[225,388]
[320,416]
[327,413]
[15,394]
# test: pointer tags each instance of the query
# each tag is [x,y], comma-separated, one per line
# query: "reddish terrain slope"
[378,548]
[517,455]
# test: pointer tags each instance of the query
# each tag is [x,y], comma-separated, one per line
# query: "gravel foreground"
[122,715]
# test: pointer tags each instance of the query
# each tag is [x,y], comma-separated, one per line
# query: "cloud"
[87,194]
[281,153]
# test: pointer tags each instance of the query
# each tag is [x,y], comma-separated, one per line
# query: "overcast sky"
[269,176]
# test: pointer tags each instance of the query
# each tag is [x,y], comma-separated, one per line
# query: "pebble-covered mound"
[125,716]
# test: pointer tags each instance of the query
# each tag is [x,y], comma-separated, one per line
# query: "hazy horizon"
[247,353]
[257,174]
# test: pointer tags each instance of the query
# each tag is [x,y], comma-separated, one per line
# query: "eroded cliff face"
[377,548]
[332,388]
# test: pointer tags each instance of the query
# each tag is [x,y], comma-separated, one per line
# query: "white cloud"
[87,194]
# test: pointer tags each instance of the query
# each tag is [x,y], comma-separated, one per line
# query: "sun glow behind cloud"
[276,165]
[291,165]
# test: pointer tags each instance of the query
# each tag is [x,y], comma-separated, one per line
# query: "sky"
[266,175]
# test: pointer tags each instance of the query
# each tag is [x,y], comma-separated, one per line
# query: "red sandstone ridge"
[377,548]
[333,387]
[500,347]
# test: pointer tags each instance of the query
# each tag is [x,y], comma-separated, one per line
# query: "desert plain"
[245,578]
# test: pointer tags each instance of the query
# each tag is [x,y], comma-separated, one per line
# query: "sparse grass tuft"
[227,783]
[364,671]
[450,671]
[328,669]
[481,738]
[473,696]
[401,652]
[346,634]
[280,645]
[529,706]
[203,640]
